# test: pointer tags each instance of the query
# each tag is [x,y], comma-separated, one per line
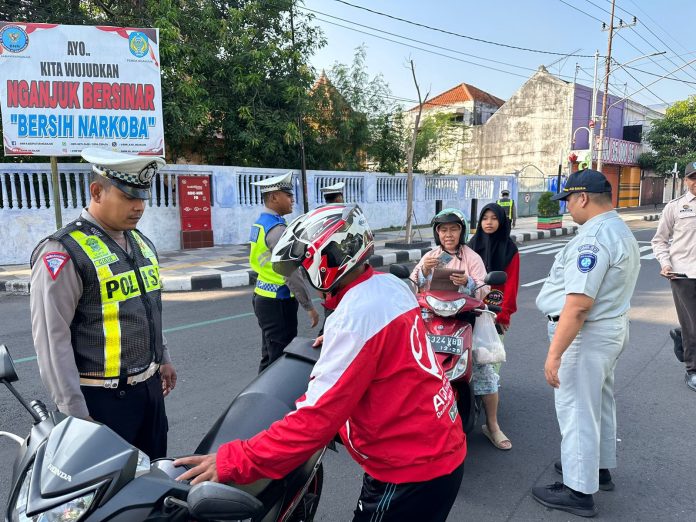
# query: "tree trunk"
[411,151]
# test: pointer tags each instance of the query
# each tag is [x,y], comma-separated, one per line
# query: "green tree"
[348,111]
[673,139]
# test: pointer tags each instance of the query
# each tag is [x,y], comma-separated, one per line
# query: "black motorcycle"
[69,469]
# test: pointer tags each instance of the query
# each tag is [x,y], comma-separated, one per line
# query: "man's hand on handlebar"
[204,467]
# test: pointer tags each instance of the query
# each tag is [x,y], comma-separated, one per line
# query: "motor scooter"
[70,469]
[449,317]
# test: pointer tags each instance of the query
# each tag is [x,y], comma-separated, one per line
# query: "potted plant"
[548,213]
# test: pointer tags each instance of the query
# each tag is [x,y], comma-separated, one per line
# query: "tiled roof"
[462,93]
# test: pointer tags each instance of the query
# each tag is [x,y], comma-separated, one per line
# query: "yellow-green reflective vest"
[506,203]
[117,327]
[268,282]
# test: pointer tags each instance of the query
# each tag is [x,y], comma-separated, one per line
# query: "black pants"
[135,412]
[684,292]
[278,322]
[429,501]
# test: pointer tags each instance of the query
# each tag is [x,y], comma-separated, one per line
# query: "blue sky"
[546,25]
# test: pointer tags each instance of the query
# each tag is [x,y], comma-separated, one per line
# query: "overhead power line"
[448,49]
[459,35]
[645,39]
[421,48]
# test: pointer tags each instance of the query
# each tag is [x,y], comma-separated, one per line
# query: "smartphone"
[678,275]
[444,258]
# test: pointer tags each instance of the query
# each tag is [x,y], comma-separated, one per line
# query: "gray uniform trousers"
[585,405]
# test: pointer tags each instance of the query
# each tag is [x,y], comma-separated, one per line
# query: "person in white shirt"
[678,264]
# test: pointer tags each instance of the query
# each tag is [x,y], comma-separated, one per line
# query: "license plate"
[447,344]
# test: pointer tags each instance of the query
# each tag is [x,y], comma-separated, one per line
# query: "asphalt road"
[214,340]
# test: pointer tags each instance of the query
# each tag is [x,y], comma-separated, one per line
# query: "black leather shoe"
[605,483]
[676,336]
[558,496]
[690,379]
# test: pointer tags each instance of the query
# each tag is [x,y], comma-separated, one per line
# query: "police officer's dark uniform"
[275,298]
[96,315]
[508,206]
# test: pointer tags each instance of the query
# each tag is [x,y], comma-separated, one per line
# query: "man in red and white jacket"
[378,384]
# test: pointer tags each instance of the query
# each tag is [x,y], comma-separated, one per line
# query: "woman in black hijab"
[492,242]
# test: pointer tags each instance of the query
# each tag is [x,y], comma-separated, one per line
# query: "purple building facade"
[582,113]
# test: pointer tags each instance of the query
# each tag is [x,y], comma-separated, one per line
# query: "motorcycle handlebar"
[494,308]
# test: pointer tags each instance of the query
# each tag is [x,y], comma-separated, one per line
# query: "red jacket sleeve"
[510,289]
[338,382]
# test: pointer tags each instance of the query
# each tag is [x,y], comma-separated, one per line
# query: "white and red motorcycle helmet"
[327,242]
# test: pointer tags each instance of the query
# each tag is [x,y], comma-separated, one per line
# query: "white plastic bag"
[488,348]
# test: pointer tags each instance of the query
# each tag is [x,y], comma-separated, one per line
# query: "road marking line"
[522,250]
[644,248]
[182,327]
[538,281]
[649,256]
[552,251]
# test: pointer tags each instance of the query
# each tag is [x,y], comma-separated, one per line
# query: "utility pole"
[593,110]
[303,164]
[605,94]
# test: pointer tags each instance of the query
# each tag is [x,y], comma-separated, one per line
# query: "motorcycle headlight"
[143,465]
[459,369]
[444,308]
[70,511]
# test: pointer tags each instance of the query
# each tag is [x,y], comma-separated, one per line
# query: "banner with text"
[66,87]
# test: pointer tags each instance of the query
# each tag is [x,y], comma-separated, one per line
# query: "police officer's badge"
[586,262]
[55,261]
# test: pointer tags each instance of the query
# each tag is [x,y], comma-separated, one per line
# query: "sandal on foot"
[498,438]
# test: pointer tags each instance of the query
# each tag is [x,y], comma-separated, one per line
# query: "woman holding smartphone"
[493,244]
[450,229]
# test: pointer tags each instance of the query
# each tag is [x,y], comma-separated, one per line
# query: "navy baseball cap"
[586,180]
[690,169]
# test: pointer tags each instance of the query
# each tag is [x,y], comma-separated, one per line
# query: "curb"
[544,234]
[652,217]
[189,283]
[217,281]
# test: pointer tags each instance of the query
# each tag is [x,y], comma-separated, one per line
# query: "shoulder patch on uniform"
[586,262]
[55,261]
[589,247]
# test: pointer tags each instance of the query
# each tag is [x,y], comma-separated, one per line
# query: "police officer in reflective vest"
[333,193]
[96,308]
[508,206]
[275,297]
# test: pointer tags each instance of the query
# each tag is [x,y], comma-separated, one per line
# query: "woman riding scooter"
[450,229]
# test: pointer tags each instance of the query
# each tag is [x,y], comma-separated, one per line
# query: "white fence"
[27,215]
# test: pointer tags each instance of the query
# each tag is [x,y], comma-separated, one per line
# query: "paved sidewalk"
[228,266]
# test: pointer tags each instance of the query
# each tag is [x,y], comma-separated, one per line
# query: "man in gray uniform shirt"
[678,264]
[586,298]
[96,308]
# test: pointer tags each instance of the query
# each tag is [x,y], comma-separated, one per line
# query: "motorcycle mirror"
[495,278]
[7,368]
[400,271]
[213,501]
